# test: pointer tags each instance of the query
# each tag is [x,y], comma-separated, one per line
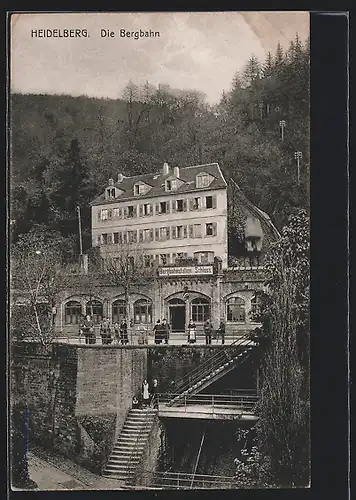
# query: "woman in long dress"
[145,393]
[192,332]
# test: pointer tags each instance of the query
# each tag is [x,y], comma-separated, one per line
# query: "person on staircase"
[192,332]
[135,403]
[154,393]
[145,394]
[208,330]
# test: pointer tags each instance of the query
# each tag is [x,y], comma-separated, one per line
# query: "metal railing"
[184,480]
[213,362]
[147,337]
[214,402]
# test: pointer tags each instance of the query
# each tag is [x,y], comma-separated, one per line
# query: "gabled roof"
[157,181]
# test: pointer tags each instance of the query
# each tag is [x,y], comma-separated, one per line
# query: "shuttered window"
[210,202]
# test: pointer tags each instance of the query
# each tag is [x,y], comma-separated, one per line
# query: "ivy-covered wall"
[75,399]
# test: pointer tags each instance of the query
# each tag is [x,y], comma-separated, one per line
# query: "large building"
[175,213]
[182,219]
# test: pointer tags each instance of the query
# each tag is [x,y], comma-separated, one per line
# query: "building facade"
[179,218]
[172,214]
[178,293]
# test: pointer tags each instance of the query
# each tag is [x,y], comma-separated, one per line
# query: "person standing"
[221,331]
[165,330]
[157,332]
[192,332]
[116,330]
[154,392]
[104,327]
[123,332]
[145,393]
[208,330]
[81,328]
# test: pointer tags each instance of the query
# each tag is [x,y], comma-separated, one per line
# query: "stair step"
[129,445]
[126,453]
[123,461]
[134,432]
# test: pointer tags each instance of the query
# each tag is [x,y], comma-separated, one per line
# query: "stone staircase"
[131,444]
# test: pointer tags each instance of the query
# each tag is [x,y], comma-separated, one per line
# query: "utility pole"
[282,125]
[298,156]
[80,231]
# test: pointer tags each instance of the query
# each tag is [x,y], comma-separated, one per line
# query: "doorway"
[177,315]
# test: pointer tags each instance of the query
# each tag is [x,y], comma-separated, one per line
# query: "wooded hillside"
[63,148]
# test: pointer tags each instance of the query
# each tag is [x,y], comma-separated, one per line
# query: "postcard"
[159,250]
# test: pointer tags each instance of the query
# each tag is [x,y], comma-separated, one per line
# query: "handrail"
[212,363]
[240,342]
[183,480]
[138,441]
[217,398]
[197,461]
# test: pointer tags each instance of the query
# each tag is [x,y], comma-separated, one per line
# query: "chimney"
[176,172]
[165,170]
[120,178]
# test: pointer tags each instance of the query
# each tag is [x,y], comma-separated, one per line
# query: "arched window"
[94,308]
[236,310]
[142,311]
[200,310]
[255,308]
[118,310]
[176,301]
[72,312]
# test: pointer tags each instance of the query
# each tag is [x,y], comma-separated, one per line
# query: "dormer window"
[141,188]
[110,193]
[171,184]
[203,180]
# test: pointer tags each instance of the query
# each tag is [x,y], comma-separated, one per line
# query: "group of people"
[161,331]
[117,332]
[109,332]
[208,331]
[147,397]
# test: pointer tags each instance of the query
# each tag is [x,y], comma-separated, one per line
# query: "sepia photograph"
[159,250]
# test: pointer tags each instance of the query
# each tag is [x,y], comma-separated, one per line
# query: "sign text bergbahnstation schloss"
[185,271]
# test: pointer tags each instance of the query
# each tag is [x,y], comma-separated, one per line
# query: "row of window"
[159,234]
[142,310]
[202,180]
[163,207]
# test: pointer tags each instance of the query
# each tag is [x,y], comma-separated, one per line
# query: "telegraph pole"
[80,231]
[298,156]
[282,125]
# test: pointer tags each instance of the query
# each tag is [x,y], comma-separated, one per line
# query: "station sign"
[186,271]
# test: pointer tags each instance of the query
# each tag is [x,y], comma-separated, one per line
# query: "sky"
[195,50]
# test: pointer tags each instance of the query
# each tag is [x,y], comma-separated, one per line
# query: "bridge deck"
[201,411]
